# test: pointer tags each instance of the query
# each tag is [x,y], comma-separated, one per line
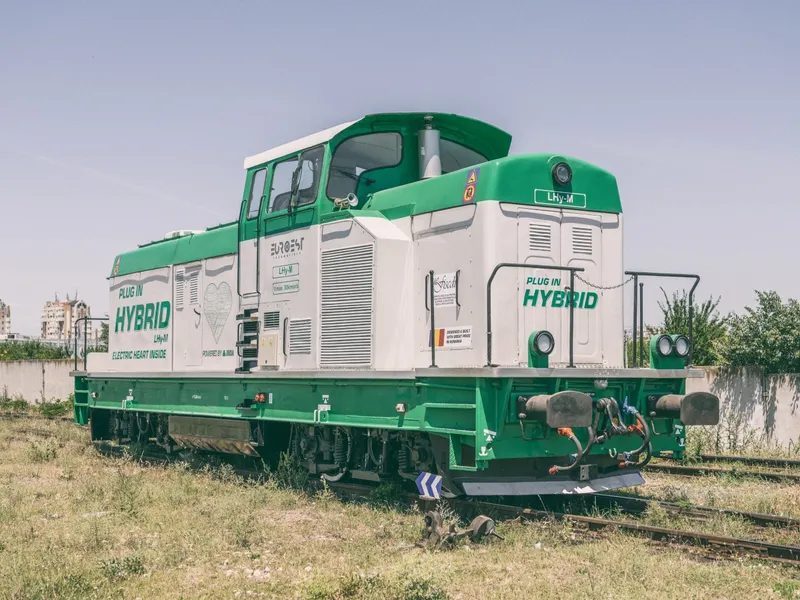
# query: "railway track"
[717,545]
[785,463]
[639,506]
[704,471]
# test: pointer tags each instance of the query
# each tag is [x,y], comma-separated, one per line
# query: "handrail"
[85,339]
[636,275]
[432,309]
[572,271]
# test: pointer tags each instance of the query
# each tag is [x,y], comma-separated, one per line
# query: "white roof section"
[296,146]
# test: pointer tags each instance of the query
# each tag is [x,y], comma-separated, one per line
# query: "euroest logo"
[287,247]
[537,295]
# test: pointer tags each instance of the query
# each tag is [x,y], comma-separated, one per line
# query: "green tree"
[104,334]
[33,350]
[709,329]
[767,336]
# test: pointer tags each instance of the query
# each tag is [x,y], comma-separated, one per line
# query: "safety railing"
[572,271]
[85,338]
[638,312]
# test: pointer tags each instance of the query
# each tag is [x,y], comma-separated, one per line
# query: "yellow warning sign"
[472,178]
[469,192]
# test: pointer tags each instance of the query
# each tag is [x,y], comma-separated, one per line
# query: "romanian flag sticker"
[438,337]
[451,337]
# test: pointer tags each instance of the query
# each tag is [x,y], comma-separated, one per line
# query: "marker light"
[682,345]
[664,345]
[543,343]
[562,173]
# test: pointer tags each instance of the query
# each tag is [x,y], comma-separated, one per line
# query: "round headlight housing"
[543,343]
[682,346]
[562,173]
[664,345]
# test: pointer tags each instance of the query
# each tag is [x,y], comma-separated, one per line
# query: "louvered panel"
[539,237]
[582,240]
[179,289]
[300,336]
[272,319]
[194,287]
[346,295]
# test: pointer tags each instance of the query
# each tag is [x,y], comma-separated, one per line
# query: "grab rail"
[572,271]
[638,297]
[85,338]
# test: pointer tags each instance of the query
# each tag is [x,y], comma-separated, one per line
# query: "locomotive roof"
[487,139]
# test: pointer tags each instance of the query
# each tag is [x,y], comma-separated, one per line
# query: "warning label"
[452,337]
[469,187]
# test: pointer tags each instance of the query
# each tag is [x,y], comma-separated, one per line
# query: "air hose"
[567,432]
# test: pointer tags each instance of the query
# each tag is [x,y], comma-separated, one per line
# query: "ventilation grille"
[179,286]
[346,307]
[300,336]
[272,320]
[582,240]
[539,237]
[194,286]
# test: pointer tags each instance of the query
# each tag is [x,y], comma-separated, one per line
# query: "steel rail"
[778,552]
[700,471]
[639,505]
[751,460]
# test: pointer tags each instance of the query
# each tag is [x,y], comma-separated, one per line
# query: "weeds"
[290,474]
[55,408]
[387,496]
[359,586]
[42,452]
[15,404]
[127,491]
[122,568]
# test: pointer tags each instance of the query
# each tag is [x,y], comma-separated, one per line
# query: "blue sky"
[122,121]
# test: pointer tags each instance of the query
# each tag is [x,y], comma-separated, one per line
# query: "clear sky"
[121,121]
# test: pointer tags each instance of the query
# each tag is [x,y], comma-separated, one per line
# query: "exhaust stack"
[430,161]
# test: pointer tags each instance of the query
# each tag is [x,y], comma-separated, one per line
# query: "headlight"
[682,345]
[543,343]
[664,345]
[562,173]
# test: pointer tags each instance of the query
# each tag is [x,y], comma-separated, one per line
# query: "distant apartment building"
[60,317]
[5,319]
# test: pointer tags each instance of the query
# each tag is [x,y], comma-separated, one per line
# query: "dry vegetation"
[76,525]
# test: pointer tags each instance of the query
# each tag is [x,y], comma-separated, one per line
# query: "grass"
[17,405]
[76,525]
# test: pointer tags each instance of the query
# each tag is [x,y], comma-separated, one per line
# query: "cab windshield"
[354,158]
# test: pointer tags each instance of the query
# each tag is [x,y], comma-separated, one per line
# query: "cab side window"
[310,173]
[257,193]
[281,185]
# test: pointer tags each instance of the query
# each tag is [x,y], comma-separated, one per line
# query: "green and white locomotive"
[399,297]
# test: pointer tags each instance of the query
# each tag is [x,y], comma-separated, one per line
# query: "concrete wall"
[755,406]
[35,380]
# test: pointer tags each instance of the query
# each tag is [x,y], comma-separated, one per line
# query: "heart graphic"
[217,303]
